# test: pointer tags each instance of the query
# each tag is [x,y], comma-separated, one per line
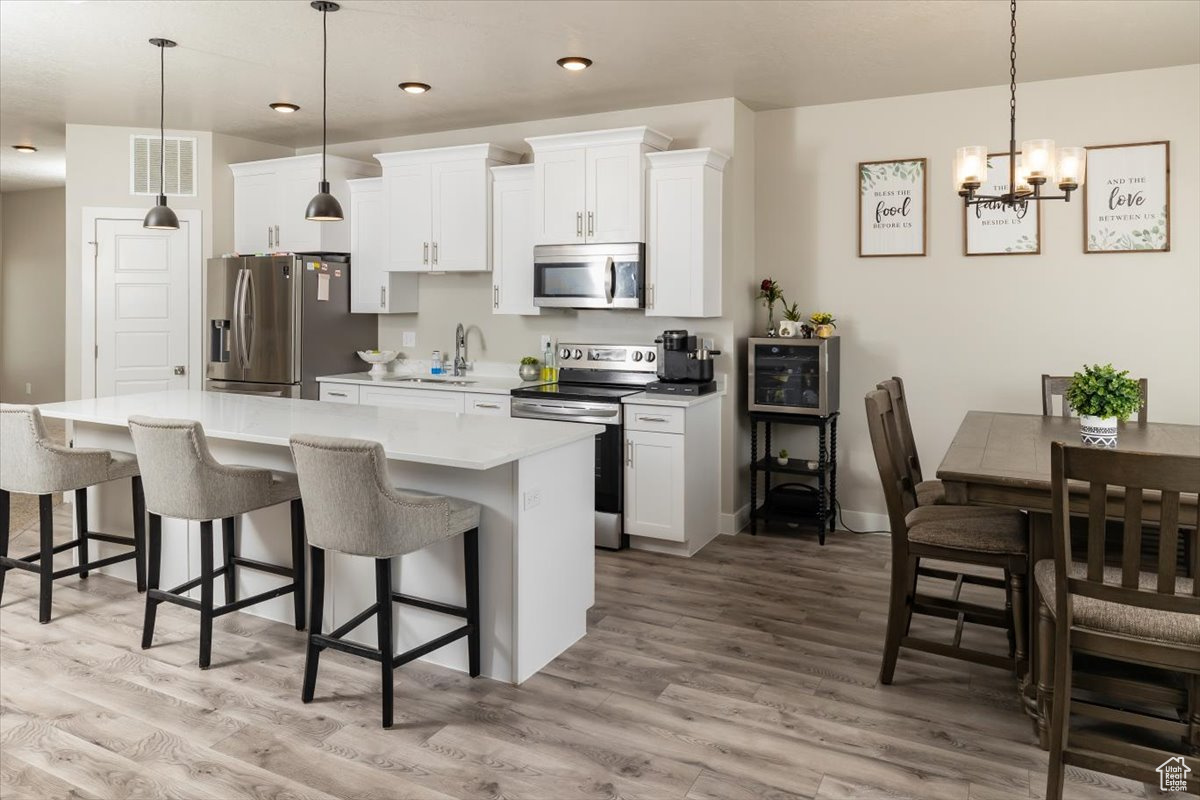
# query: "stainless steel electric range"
[592,380]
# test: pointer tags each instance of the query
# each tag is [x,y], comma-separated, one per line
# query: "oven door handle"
[610,278]
[564,411]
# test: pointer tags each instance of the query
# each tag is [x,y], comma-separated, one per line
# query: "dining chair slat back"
[898,488]
[894,386]
[1056,386]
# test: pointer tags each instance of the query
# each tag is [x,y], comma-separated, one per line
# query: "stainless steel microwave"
[589,275]
[794,376]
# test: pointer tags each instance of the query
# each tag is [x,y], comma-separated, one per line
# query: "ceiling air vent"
[144,165]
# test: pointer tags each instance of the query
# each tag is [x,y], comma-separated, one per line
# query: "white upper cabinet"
[439,207]
[512,240]
[373,289]
[269,199]
[683,239]
[590,187]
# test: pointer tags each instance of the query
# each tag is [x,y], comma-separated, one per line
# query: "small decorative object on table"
[769,292]
[1102,396]
[788,326]
[378,359]
[530,369]
[823,322]
[782,458]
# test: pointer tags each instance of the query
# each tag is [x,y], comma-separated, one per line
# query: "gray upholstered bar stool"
[31,463]
[184,481]
[350,507]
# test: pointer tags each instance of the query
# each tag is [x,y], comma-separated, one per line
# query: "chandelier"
[1037,165]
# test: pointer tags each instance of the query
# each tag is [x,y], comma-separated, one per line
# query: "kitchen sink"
[444,381]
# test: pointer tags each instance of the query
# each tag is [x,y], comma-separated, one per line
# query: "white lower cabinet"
[672,474]
[496,405]
[422,399]
[339,393]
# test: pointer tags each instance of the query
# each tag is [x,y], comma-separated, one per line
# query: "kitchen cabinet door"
[460,216]
[654,485]
[560,196]
[493,405]
[512,240]
[296,187]
[255,200]
[373,289]
[420,399]
[409,216]
[614,194]
[346,393]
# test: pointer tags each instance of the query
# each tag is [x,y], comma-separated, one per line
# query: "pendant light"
[162,218]
[324,207]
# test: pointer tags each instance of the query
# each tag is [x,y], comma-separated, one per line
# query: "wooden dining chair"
[1056,386]
[966,535]
[928,492]
[1147,617]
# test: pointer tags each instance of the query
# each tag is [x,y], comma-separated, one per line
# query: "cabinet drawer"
[339,393]
[493,404]
[663,419]
[420,399]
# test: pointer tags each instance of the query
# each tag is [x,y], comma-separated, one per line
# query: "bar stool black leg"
[298,562]
[153,559]
[228,547]
[139,532]
[5,508]
[81,522]
[46,561]
[383,618]
[206,592]
[471,564]
[316,612]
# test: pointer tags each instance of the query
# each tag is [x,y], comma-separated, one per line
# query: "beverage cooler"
[794,376]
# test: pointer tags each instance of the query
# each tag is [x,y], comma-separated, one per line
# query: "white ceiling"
[490,62]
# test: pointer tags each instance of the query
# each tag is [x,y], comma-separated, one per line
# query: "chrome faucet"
[460,350]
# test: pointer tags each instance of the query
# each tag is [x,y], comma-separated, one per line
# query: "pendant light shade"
[161,217]
[324,207]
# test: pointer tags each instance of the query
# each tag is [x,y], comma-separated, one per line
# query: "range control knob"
[564,352]
[650,356]
[578,353]
[637,355]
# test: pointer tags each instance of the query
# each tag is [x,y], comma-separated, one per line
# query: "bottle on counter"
[548,364]
[435,363]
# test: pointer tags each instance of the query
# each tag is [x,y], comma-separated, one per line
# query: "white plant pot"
[1098,431]
[783,462]
[787,328]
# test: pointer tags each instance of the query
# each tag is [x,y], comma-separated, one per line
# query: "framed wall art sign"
[1127,198]
[891,207]
[993,229]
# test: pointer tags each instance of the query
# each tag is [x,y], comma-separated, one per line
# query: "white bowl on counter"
[378,359]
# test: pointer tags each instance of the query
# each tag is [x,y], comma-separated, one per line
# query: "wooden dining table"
[1002,459]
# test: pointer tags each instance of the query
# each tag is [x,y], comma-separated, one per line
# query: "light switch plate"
[533,498]
[410,338]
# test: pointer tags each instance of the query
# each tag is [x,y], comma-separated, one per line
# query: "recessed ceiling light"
[574,63]
[285,108]
[412,87]
[24,148]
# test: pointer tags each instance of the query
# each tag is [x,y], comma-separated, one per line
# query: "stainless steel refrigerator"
[275,323]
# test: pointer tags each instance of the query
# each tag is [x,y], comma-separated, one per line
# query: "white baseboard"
[731,524]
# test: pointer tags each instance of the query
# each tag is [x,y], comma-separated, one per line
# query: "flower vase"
[771,319]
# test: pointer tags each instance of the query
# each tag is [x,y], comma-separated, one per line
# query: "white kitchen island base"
[536,548]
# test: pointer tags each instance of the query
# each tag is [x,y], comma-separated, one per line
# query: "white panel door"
[512,242]
[255,203]
[142,314]
[654,485]
[296,186]
[368,251]
[559,196]
[409,216]
[460,216]
[614,194]
[675,244]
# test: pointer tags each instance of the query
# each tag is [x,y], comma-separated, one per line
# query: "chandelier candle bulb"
[1071,166]
[1038,155]
[1022,186]
[970,168]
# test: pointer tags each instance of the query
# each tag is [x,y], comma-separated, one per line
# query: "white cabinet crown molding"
[366,184]
[695,157]
[640,134]
[512,172]
[361,168]
[488,151]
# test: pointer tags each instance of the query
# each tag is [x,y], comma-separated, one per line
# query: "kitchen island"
[533,480]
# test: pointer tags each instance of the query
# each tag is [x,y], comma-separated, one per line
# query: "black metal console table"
[825,472]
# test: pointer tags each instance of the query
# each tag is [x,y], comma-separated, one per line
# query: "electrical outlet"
[533,498]
[410,338]
[29,388]
[546,340]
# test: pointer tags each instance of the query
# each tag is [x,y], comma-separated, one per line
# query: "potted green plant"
[782,458]
[529,369]
[791,316]
[823,321]
[770,293]
[1101,396]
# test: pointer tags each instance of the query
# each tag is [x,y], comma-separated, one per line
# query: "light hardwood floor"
[748,671]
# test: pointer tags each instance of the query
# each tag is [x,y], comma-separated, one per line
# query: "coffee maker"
[685,365]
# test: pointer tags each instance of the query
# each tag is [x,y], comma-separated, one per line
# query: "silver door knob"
[179,370]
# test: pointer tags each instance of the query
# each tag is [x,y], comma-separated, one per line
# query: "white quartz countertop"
[466,441]
[484,384]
